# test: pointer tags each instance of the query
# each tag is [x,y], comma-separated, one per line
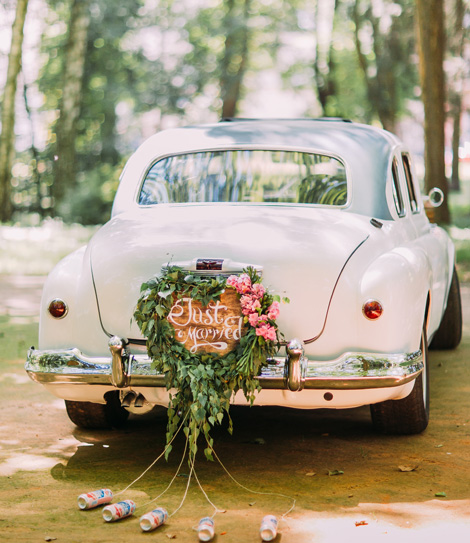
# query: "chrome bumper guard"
[294,372]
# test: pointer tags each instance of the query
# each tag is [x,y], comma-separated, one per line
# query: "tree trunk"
[381,87]
[7,137]
[431,43]
[456,114]
[456,48]
[324,65]
[74,63]
[233,65]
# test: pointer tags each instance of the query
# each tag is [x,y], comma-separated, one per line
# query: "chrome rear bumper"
[294,372]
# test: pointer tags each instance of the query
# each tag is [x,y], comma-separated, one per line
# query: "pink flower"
[242,284]
[267,332]
[273,311]
[232,281]
[249,304]
[258,290]
[253,319]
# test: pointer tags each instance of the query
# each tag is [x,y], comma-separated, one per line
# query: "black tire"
[449,333]
[409,415]
[97,415]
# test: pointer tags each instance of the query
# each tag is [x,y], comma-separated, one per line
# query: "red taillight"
[372,310]
[58,309]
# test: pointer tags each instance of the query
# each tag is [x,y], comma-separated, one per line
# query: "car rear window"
[246,176]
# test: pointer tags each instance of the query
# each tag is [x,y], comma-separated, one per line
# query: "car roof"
[365,150]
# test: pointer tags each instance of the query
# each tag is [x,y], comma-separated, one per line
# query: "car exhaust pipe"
[132,399]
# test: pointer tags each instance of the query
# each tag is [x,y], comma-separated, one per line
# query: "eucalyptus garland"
[203,383]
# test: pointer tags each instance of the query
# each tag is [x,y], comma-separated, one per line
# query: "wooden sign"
[216,328]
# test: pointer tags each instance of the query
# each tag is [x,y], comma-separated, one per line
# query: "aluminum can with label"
[95,498]
[154,519]
[268,528]
[205,529]
[118,511]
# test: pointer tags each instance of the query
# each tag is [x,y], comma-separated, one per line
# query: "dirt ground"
[347,482]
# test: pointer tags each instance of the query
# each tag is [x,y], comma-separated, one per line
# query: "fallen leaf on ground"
[335,472]
[310,474]
[171,536]
[223,533]
[251,504]
[440,495]
[361,523]
[408,468]
[50,538]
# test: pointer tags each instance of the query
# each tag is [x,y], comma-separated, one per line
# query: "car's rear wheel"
[97,415]
[449,333]
[409,415]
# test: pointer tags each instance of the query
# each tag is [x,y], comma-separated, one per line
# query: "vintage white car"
[330,214]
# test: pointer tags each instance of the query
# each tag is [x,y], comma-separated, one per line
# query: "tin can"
[205,529]
[268,528]
[118,511]
[154,519]
[95,498]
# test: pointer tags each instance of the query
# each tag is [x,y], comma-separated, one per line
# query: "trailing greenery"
[204,382]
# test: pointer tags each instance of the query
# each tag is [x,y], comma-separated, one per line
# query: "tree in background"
[235,58]
[84,139]
[324,63]
[388,27]
[71,100]
[431,46]
[7,137]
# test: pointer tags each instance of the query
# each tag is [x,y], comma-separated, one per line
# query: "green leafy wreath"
[205,382]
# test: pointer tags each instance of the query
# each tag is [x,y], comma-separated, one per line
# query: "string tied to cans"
[159,515]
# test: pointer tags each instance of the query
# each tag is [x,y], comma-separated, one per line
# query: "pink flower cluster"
[251,299]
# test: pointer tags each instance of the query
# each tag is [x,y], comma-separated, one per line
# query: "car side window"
[397,196]
[409,183]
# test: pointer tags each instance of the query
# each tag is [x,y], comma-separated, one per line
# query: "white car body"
[328,259]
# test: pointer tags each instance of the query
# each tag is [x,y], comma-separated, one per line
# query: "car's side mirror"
[435,198]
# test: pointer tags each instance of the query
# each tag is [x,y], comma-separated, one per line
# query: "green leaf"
[160,311]
[440,495]
[168,451]
[208,454]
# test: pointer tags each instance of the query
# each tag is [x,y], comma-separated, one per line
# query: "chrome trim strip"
[351,371]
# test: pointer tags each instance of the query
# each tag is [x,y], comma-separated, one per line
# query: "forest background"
[84,82]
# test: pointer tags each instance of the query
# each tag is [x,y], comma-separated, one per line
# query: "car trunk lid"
[300,251]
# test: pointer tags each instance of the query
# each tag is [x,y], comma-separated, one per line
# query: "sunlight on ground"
[26,462]
[11,461]
[404,522]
